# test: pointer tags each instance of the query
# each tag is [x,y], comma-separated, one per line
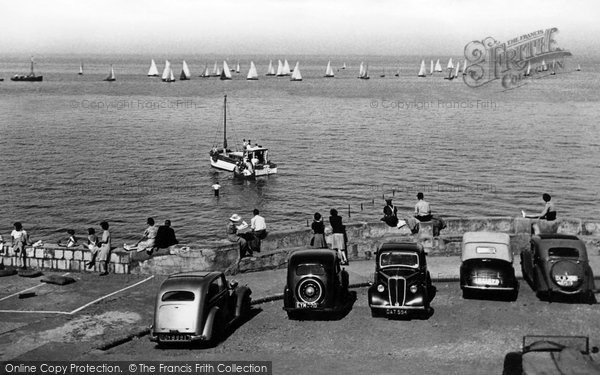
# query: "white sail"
[237,67]
[286,68]
[81,68]
[464,69]
[438,66]
[450,64]
[528,71]
[422,71]
[171,77]
[366,73]
[153,71]
[185,71]
[457,69]
[344,66]
[578,67]
[111,74]
[165,73]
[215,71]
[225,73]
[296,76]
[361,70]
[329,70]
[252,74]
[431,67]
[270,70]
[279,68]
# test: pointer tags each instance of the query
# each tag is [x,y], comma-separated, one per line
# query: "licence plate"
[486,281]
[396,312]
[306,305]
[174,337]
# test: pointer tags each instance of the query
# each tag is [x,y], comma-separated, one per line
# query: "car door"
[527,261]
[218,296]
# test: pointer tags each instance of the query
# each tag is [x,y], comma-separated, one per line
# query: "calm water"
[76,150]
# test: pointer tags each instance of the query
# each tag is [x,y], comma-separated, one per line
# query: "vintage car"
[487,265]
[197,306]
[557,265]
[552,355]
[401,283]
[316,283]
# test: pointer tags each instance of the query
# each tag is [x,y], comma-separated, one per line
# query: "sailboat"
[449,69]
[553,71]
[237,67]
[431,68]
[578,68]
[31,77]
[215,71]
[344,66]
[457,70]
[185,72]
[225,73]
[364,71]
[422,71]
[286,68]
[205,73]
[329,71]
[296,76]
[382,75]
[465,68]
[252,73]
[111,75]
[438,66]
[270,70]
[397,73]
[165,73]
[279,68]
[80,69]
[528,71]
[153,71]
[170,76]
[228,160]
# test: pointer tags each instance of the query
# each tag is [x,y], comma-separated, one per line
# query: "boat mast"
[31,74]
[225,124]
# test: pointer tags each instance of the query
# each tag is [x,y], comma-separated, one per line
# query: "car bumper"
[490,287]
[176,338]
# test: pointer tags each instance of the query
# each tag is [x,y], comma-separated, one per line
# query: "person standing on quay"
[20,239]
[339,235]
[318,239]
[104,252]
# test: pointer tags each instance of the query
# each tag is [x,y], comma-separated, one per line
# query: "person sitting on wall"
[422,208]
[148,239]
[259,230]
[165,236]
[234,226]
[548,213]
[390,213]
[70,241]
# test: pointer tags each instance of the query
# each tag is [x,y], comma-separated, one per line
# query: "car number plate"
[486,281]
[306,305]
[396,312]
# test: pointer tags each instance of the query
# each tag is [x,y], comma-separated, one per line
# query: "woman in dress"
[103,253]
[318,239]
[92,245]
[339,235]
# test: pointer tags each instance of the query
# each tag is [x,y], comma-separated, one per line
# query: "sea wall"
[363,240]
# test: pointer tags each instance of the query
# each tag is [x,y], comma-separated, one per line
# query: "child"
[92,245]
[20,239]
[71,239]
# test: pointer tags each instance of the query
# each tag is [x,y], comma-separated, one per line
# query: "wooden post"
[348,210]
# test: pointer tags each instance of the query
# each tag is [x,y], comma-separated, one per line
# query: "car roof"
[401,246]
[313,255]
[487,237]
[189,280]
[556,236]
[544,242]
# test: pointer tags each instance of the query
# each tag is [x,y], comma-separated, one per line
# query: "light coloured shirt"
[258,223]
[150,232]
[422,208]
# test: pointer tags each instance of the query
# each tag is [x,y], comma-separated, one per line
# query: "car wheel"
[513,364]
[514,295]
[246,305]
[466,294]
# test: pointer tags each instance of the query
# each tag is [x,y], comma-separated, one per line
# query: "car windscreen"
[389,259]
[178,295]
[563,252]
[310,269]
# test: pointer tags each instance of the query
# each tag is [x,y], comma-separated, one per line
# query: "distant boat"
[205,73]
[528,70]
[450,64]
[170,76]
[215,71]
[457,70]
[449,68]
[364,71]
[344,66]
[270,70]
[382,75]
[284,70]
[578,68]
[397,73]
[237,67]
[153,71]
[553,71]
[165,73]
[438,67]
[111,75]
[279,68]
[252,73]
[80,69]
[185,72]
[431,68]
[329,71]
[31,77]
[422,71]
[464,68]
[296,76]
[225,73]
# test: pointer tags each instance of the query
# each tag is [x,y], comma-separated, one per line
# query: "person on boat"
[548,213]
[71,239]
[318,239]
[254,160]
[259,230]
[422,208]
[105,247]
[165,236]
[249,168]
[148,238]
[390,213]
[20,239]
[234,225]
[339,237]
[92,245]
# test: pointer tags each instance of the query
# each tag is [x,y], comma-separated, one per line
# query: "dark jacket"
[165,237]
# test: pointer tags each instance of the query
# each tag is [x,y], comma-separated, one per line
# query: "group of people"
[339,236]
[248,237]
[154,237]
[422,213]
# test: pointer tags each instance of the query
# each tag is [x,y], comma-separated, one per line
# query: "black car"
[402,284]
[316,283]
[197,306]
[487,265]
[556,265]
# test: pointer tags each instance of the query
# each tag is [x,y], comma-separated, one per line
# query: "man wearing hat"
[235,224]
[390,213]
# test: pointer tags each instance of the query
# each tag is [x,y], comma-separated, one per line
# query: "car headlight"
[380,288]
[413,289]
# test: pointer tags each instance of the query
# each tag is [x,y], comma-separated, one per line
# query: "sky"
[338,27]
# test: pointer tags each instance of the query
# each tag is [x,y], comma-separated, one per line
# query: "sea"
[75,150]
